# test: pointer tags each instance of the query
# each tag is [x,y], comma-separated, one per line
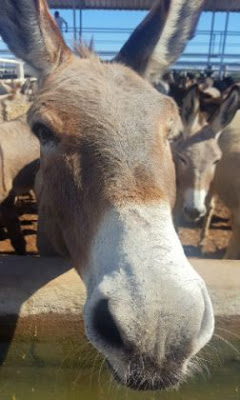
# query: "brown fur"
[95,158]
[111,126]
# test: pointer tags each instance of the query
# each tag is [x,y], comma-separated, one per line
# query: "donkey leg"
[2,230]
[233,250]
[207,222]
[11,221]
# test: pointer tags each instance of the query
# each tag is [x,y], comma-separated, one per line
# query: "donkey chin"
[193,214]
[148,377]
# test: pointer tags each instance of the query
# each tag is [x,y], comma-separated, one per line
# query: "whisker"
[225,341]
[100,372]
[213,353]
[229,332]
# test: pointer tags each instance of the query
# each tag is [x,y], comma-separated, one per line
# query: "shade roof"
[211,5]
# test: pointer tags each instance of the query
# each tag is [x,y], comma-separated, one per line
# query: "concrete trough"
[41,302]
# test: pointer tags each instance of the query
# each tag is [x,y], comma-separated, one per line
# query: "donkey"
[199,153]
[14,104]
[19,155]
[227,182]
[207,87]
[107,184]
[6,96]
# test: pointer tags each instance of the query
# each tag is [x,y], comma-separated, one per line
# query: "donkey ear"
[226,111]
[160,39]
[190,106]
[31,33]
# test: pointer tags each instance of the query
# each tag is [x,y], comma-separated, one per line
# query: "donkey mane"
[84,50]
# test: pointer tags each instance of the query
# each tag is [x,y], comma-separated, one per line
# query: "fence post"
[20,71]
[80,22]
[74,20]
[211,47]
[224,42]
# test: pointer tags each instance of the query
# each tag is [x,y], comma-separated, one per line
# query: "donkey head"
[198,153]
[108,184]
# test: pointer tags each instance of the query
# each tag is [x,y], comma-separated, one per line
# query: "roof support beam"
[211,5]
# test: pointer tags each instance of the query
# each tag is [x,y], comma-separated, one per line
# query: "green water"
[41,383]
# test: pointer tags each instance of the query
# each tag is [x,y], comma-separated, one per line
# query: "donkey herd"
[109,158]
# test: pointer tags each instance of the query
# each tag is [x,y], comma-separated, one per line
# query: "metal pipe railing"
[209,47]
[19,66]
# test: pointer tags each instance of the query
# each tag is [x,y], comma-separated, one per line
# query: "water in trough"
[58,383]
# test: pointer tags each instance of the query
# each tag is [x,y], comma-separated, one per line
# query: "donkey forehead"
[106,94]
[202,153]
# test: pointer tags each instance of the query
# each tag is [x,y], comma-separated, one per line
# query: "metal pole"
[20,69]
[80,21]
[224,40]
[19,66]
[74,20]
[211,48]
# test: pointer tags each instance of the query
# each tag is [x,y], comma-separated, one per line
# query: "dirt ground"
[189,234]
[217,241]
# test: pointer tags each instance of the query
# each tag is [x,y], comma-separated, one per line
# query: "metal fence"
[213,48]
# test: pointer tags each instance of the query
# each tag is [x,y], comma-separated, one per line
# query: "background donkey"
[19,154]
[198,154]
[107,186]
[227,181]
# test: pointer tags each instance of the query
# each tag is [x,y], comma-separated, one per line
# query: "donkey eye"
[44,134]
[216,161]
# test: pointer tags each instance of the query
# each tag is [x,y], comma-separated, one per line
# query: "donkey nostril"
[104,324]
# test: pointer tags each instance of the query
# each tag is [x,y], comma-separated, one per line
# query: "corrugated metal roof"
[222,5]
[102,4]
[211,5]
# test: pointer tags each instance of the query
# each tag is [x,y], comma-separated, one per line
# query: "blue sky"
[130,19]
[113,41]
